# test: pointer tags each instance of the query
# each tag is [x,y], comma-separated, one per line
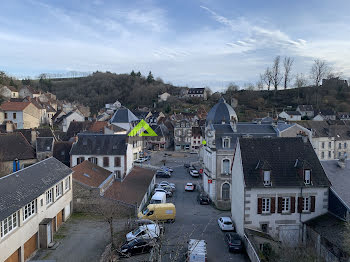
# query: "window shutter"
[273,204]
[300,204]
[259,205]
[279,205]
[313,202]
[292,204]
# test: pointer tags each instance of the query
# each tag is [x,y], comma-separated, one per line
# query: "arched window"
[225,191]
[225,166]
[93,160]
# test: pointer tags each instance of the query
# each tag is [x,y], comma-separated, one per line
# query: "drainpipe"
[302,230]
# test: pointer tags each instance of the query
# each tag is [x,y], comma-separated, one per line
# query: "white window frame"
[286,204]
[67,184]
[29,210]
[307,176]
[223,166]
[228,142]
[322,145]
[306,204]
[59,190]
[267,177]
[10,223]
[266,205]
[93,160]
[49,196]
[322,155]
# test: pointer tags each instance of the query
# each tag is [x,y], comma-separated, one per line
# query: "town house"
[34,202]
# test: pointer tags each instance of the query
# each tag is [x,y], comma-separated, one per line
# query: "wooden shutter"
[313,202]
[292,204]
[279,205]
[300,204]
[259,205]
[273,204]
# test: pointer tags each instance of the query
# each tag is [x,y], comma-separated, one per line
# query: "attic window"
[86,175]
[226,143]
[307,176]
[267,178]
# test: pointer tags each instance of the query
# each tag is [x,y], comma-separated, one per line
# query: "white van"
[146,232]
[158,198]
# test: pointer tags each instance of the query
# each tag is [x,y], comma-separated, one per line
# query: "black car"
[203,199]
[234,242]
[162,173]
[136,246]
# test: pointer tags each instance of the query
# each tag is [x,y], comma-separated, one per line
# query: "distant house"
[35,202]
[61,150]
[290,115]
[160,142]
[111,152]
[65,120]
[182,135]
[28,91]
[196,138]
[15,146]
[163,97]
[44,147]
[343,115]
[324,115]
[306,110]
[9,92]
[197,92]
[124,119]
[23,114]
[154,117]
[292,130]
[276,194]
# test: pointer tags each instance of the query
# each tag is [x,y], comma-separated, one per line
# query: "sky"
[195,43]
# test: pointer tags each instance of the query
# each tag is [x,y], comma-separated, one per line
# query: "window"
[266,205]
[67,184]
[80,160]
[8,224]
[264,227]
[329,154]
[14,115]
[49,196]
[306,204]
[59,188]
[345,145]
[339,154]
[117,161]
[225,166]
[339,145]
[93,160]
[307,177]
[225,191]
[322,155]
[322,144]
[226,143]
[106,161]
[285,204]
[267,180]
[118,174]
[329,144]
[29,210]
[5,115]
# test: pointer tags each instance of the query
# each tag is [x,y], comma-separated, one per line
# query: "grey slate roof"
[293,113]
[123,115]
[340,179]
[161,130]
[44,144]
[283,126]
[14,145]
[99,144]
[281,154]
[21,187]
[220,112]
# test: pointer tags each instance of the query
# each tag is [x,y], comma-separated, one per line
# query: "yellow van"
[159,212]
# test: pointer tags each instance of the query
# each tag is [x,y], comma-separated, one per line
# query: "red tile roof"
[14,106]
[98,126]
[90,174]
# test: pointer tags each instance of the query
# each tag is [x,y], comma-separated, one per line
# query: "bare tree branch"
[287,64]
[276,73]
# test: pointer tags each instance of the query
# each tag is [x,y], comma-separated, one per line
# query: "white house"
[277,184]
[65,120]
[34,202]
[290,115]
[112,152]
[197,92]
[163,97]
[306,110]
[9,92]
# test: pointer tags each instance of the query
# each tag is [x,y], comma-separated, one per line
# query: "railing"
[253,256]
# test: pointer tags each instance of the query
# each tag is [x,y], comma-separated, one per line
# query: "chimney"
[9,127]
[33,136]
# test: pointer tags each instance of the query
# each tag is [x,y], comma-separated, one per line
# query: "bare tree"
[259,85]
[276,73]
[266,78]
[287,64]
[300,81]
[319,70]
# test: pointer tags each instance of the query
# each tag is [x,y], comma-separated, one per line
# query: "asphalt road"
[193,221]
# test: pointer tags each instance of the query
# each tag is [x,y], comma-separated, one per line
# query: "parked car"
[166,187]
[166,168]
[197,251]
[190,187]
[145,232]
[167,183]
[234,242]
[186,165]
[225,223]
[136,246]
[158,198]
[159,212]
[167,193]
[162,173]
[191,168]
[140,160]
[203,199]
[194,173]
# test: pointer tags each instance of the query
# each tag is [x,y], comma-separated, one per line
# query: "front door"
[49,234]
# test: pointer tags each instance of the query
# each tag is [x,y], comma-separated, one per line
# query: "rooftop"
[14,106]
[90,174]
[44,144]
[15,145]
[123,115]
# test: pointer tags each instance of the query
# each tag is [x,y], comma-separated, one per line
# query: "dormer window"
[226,143]
[307,176]
[267,178]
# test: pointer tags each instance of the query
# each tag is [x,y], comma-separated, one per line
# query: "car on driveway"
[203,199]
[234,242]
[166,183]
[190,187]
[162,173]
[160,189]
[225,223]
[136,246]
[194,173]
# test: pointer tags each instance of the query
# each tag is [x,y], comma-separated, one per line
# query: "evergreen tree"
[138,74]
[132,73]
[150,77]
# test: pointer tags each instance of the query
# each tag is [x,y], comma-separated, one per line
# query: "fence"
[253,256]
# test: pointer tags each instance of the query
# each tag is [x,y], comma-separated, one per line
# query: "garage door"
[30,246]
[289,234]
[14,257]
[59,218]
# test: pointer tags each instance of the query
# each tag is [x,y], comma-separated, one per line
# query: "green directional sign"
[145,126]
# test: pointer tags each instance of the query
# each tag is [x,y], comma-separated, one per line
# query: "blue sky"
[188,42]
